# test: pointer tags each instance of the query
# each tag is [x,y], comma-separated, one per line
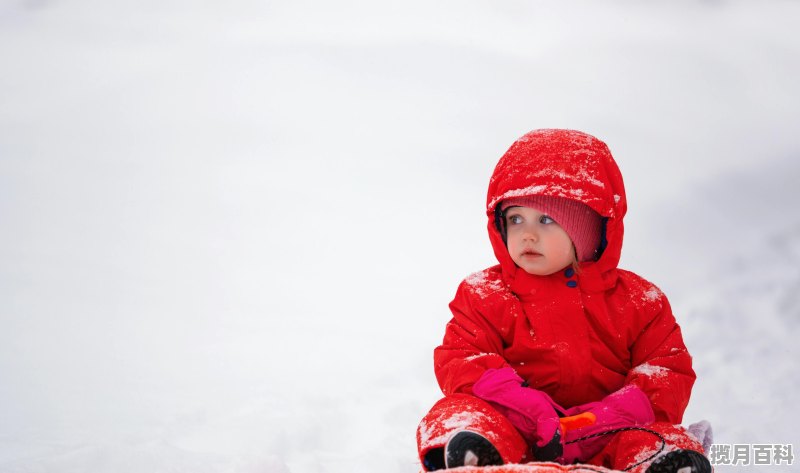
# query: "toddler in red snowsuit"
[555,354]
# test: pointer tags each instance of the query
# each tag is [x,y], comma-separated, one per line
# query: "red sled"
[533,467]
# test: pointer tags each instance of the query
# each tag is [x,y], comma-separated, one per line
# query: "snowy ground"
[230,231]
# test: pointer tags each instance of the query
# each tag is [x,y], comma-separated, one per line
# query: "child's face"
[536,242]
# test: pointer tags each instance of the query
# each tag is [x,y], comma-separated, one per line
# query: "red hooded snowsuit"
[577,342]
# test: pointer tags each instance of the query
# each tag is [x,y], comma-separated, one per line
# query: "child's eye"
[545,219]
[514,219]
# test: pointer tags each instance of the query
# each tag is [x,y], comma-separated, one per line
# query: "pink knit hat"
[583,225]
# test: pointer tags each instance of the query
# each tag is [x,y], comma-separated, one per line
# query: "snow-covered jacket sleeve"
[661,364]
[472,343]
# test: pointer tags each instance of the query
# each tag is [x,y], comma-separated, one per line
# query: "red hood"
[560,163]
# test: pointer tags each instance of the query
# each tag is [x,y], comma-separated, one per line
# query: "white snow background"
[229,231]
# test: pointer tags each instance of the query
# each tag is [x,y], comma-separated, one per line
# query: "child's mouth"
[530,253]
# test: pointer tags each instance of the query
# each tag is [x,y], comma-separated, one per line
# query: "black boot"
[470,449]
[681,461]
[434,460]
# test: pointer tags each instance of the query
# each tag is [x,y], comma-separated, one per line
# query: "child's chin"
[536,271]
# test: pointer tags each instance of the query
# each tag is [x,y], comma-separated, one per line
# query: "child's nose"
[530,234]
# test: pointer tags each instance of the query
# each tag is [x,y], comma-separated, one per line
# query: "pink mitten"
[627,407]
[531,411]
